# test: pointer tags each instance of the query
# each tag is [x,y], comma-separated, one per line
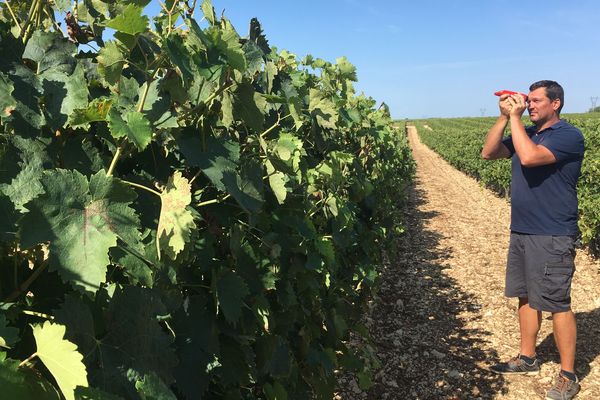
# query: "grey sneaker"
[563,389]
[516,366]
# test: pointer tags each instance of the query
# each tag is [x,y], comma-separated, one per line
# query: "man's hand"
[505,105]
[517,106]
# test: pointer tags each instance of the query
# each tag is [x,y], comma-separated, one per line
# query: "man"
[546,164]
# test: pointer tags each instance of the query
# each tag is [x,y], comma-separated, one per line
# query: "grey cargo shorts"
[541,267]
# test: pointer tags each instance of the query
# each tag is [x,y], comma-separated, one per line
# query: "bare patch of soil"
[441,319]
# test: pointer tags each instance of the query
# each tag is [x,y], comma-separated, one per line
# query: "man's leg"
[565,337]
[530,321]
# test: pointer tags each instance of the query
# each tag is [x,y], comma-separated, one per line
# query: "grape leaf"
[89,393]
[323,109]
[7,102]
[220,156]
[111,59]
[153,388]
[179,56]
[26,185]
[63,93]
[209,11]
[277,182]
[60,357]
[8,334]
[197,340]
[130,21]
[8,219]
[134,342]
[23,383]
[231,289]
[245,107]
[133,125]
[97,110]
[51,52]
[176,220]
[82,220]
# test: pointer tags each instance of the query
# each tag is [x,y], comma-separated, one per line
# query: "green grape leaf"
[24,383]
[63,5]
[275,391]
[51,51]
[277,182]
[134,341]
[153,388]
[8,219]
[220,156]
[323,109]
[7,102]
[89,393]
[176,220]
[26,185]
[82,220]
[231,290]
[133,125]
[228,42]
[179,55]
[28,89]
[209,11]
[326,249]
[60,357]
[63,94]
[197,343]
[111,59]
[273,356]
[130,21]
[246,188]
[130,342]
[245,107]
[96,111]
[8,335]
[295,105]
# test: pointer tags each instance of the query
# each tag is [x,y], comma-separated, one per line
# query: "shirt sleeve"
[565,144]
[508,142]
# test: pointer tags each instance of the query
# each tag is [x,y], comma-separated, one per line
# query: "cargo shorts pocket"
[557,281]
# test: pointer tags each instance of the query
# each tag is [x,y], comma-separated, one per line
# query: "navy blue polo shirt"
[544,198]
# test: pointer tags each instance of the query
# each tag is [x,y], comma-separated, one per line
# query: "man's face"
[540,107]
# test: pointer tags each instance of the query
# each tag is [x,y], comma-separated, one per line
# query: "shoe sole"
[575,395]
[529,373]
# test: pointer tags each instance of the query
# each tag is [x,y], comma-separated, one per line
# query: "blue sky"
[440,58]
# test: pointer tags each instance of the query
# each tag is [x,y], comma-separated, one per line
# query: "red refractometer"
[510,92]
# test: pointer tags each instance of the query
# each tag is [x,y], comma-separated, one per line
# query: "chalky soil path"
[441,319]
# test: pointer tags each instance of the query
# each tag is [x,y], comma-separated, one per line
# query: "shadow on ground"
[588,343]
[425,350]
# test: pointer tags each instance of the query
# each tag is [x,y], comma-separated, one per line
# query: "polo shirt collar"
[560,124]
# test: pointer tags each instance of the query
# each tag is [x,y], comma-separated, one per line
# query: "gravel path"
[441,319]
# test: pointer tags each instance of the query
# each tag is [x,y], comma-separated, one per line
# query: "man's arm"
[493,148]
[530,154]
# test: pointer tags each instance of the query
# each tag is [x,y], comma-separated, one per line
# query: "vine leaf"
[153,388]
[231,289]
[130,21]
[111,59]
[7,102]
[322,109]
[176,220]
[133,125]
[81,220]
[8,335]
[23,383]
[61,358]
[209,11]
[277,182]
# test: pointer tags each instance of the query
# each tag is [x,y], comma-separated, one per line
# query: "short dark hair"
[553,91]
